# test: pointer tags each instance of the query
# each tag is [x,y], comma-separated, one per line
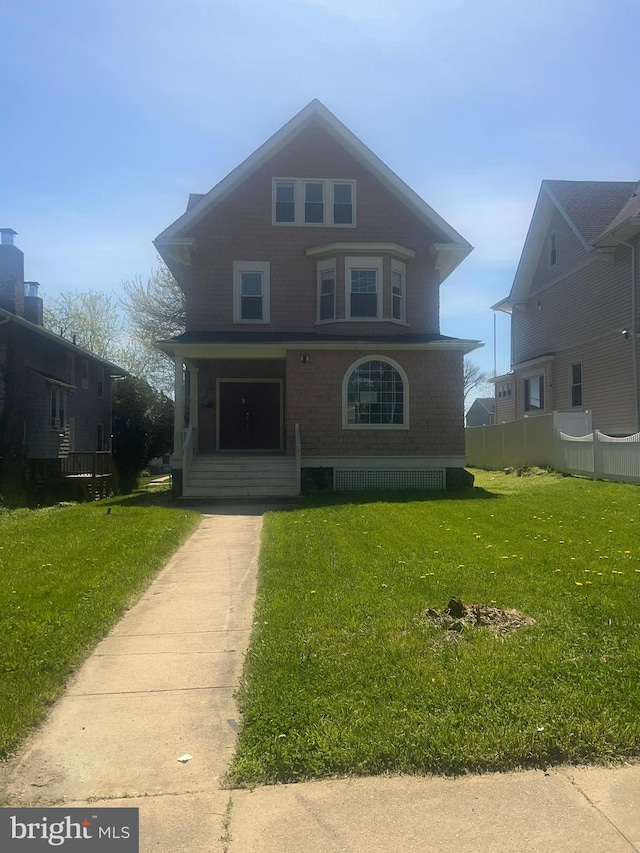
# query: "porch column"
[178,415]
[193,399]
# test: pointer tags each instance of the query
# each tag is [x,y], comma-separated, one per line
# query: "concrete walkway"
[161,685]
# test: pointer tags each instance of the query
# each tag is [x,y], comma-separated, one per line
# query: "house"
[574,308]
[482,412]
[55,398]
[312,346]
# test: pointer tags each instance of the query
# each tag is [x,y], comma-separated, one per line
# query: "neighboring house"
[574,308]
[482,412]
[311,275]
[55,398]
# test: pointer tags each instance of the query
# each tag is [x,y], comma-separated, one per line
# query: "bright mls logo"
[80,830]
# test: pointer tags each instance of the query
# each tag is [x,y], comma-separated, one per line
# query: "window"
[314,203]
[534,394]
[553,250]
[285,196]
[325,202]
[100,382]
[576,384]
[504,390]
[100,438]
[343,204]
[375,395]
[397,291]
[251,285]
[85,373]
[58,409]
[326,290]
[363,282]
[70,369]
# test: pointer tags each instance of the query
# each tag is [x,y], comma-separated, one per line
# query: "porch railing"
[97,463]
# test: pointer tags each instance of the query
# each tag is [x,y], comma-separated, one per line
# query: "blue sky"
[113,112]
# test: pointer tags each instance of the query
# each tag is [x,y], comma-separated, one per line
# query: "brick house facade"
[311,275]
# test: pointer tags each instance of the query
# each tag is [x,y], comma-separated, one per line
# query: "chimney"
[11,273]
[32,303]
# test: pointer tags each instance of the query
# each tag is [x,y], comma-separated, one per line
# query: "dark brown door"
[250,416]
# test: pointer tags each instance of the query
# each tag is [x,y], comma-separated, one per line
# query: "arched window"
[375,395]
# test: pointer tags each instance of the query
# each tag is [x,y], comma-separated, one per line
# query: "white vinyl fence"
[600,456]
[523,443]
[564,441]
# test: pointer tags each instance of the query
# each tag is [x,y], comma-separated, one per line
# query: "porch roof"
[201,342]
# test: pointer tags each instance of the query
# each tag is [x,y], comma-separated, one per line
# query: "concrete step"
[239,492]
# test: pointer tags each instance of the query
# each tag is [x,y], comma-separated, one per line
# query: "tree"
[156,311]
[142,426]
[474,378]
[89,318]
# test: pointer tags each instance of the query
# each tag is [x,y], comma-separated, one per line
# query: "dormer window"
[325,202]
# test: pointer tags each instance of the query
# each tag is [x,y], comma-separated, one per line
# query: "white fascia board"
[315,110]
[279,350]
[345,246]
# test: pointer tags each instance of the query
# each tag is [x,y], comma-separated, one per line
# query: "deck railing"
[93,471]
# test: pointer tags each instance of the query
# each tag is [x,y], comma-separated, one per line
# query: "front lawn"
[67,573]
[346,674]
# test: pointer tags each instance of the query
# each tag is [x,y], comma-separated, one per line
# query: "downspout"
[634,350]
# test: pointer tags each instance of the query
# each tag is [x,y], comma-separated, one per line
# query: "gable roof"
[315,112]
[594,210]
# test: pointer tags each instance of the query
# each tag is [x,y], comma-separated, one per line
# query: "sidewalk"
[161,686]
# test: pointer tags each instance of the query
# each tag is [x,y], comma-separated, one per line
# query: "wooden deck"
[94,472]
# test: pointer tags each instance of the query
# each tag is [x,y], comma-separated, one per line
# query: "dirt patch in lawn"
[457,617]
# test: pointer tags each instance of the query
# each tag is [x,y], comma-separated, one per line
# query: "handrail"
[298,457]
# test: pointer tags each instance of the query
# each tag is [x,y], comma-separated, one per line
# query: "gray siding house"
[574,308]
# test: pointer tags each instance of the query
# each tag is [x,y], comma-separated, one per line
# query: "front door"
[250,415]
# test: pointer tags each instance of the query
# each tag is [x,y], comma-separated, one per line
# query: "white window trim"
[572,385]
[362,263]
[323,266]
[252,266]
[534,375]
[405,382]
[399,267]
[299,202]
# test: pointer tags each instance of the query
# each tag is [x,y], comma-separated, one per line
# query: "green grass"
[346,676]
[67,575]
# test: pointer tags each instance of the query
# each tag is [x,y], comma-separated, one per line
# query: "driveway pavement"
[160,687]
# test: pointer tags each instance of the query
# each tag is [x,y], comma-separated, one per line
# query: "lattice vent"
[345,479]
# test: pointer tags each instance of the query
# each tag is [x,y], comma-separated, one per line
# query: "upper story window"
[363,283]
[297,201]
[100,382]
[285,201]
[398,271]
[327,290]
[251,291]
[375,395]
[85,373]
[504,390]
[553,250]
